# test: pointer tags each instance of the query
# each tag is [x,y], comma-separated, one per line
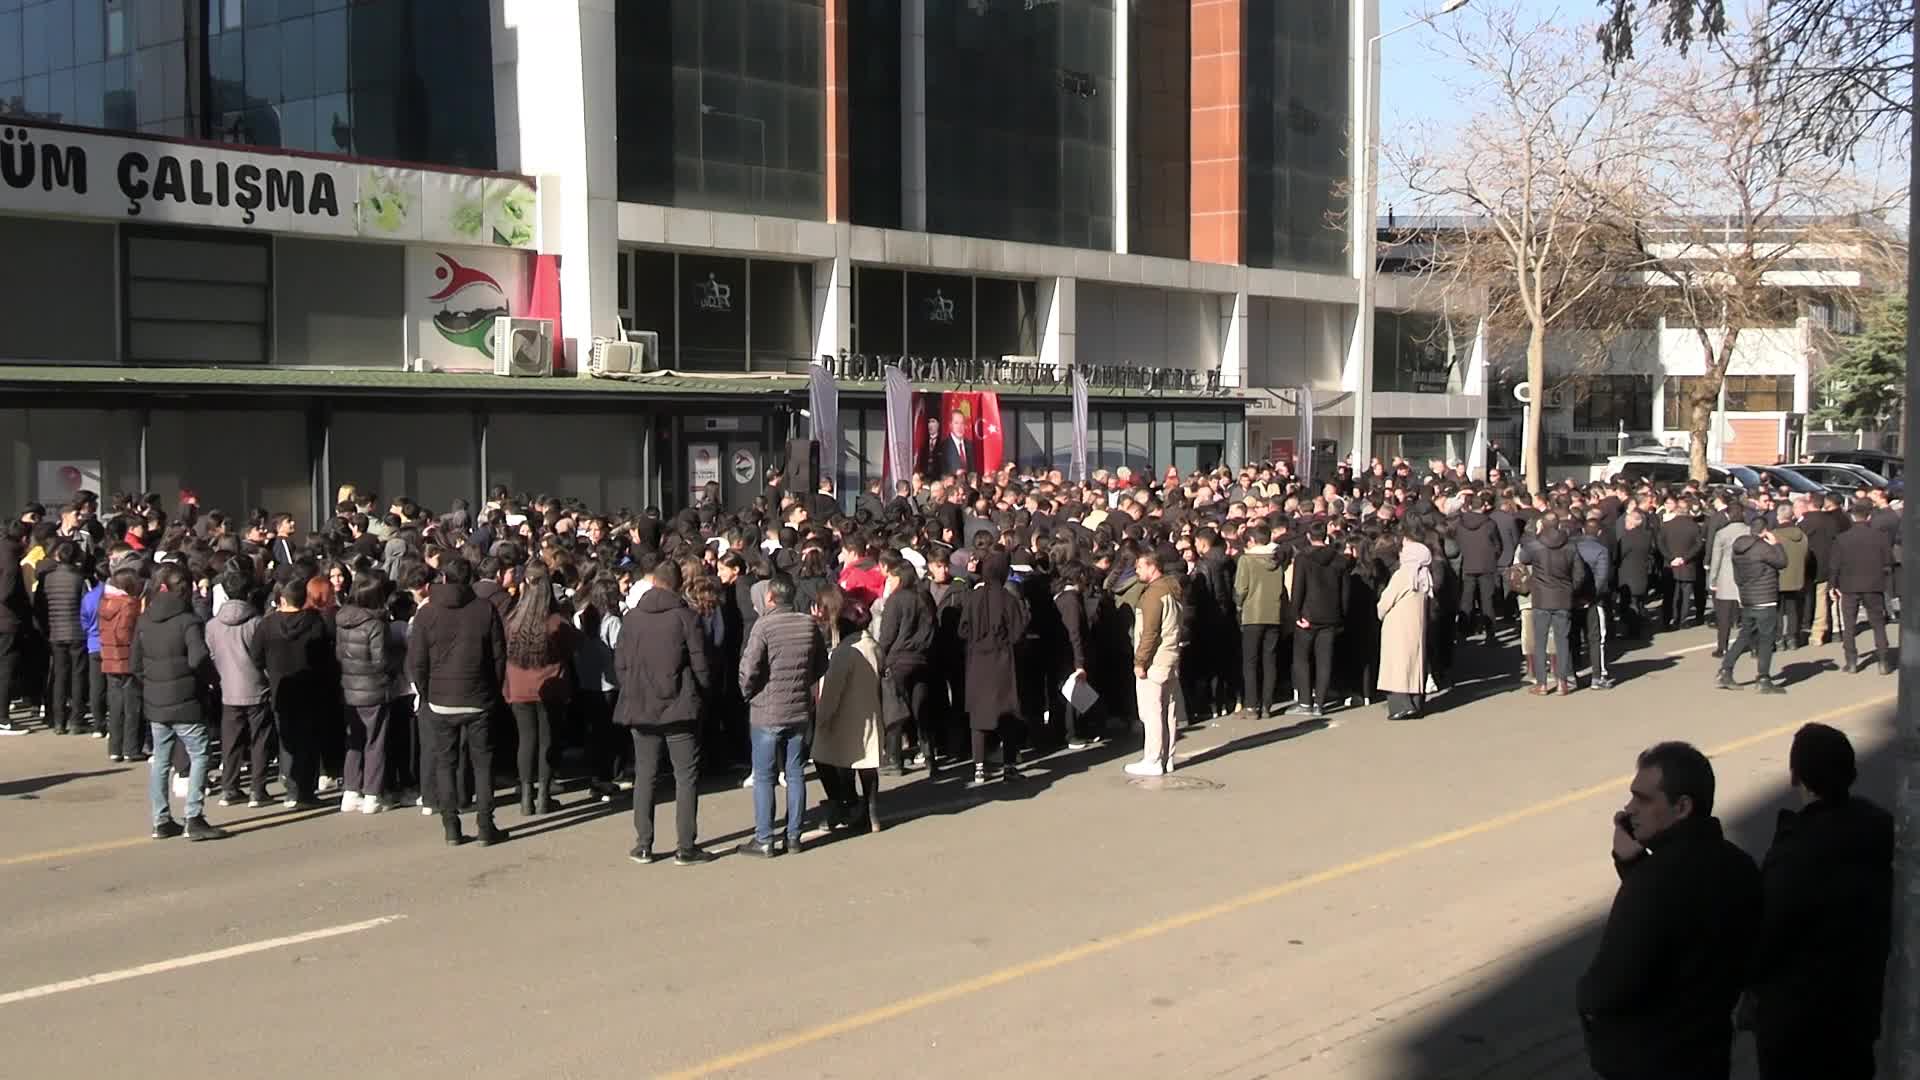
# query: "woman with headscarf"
[848,724]
[993,622]
[1403,627]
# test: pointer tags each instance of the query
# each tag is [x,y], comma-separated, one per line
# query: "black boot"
[487,834]
[526,800]
[451,823]
[546,804]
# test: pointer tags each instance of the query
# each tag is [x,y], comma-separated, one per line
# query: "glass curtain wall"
[1019,136]
[1298,114]
[723,105]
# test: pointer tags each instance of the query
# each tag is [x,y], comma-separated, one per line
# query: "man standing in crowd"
[1319,607]
[1755,563]
[457,658]
[1681,544]
[1657,1000]
[1862,564]
[661,667]
[16,620]
[1259,591]
[1826,921]
[1792,540]
[784,656]
[1823,527]
[1597,596]
[1482,552]
[1558,573]
[1156,666]
[1724,527]
[170,658]
[57,613]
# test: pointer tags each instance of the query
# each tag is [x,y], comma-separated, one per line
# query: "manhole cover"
[1174,783]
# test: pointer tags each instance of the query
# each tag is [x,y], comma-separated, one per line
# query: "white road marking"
[162,966]
[1692,649]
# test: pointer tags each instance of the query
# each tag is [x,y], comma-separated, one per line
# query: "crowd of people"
[389,656]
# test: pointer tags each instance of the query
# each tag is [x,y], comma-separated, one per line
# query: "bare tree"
[1731,209]
[1528,183]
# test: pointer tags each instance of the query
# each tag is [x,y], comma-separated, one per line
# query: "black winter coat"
[1636,559]
[1756,570]
[1658,998]
[1861,561]
[1507,523]
[784,656]
[171,660]
[1481,548]
[1822,527]
[907,628]
[1558,570]
[1320,586]
[989,633]
[1826,915]
[661,664]
[1682,538]
[360,648]
[298,656]
[57,604]
[1077,617]
[16,607]
[457,650]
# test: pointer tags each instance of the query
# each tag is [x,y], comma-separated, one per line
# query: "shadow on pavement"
[1522,1024]
[30,787]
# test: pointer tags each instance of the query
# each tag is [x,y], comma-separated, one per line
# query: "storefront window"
[1759,393]
[713,313]
[428,456]
[1033,440]
[48,454]
[196,296]
[946,315]
[593,457]
[780,310]
[1415,352]
[652,299]
[235,459]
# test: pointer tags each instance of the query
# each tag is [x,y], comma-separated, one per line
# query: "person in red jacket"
[119,613]
[540,639]
[860,575]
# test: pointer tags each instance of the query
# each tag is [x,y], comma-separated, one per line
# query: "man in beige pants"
[1156,667]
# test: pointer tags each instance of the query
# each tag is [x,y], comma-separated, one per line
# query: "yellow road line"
[142,841]
[966,987]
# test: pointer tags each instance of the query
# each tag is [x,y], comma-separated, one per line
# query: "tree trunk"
[1902,1041]
[1707,398]
[1537,393]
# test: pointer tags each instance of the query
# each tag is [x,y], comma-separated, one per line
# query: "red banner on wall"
[961,433]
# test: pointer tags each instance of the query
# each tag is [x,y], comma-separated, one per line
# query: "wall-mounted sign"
[703,468]
[54,170]
[454,295]
[745,465]
[861,367]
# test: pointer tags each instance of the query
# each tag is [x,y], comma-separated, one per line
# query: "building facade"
[255,248]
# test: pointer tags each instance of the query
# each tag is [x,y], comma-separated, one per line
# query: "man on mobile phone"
[1658,998]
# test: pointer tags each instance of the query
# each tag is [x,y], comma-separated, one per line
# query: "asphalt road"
[1352,899]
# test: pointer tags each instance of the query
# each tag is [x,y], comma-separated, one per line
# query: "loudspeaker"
[803,466]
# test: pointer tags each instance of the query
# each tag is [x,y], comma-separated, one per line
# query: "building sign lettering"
[861,367]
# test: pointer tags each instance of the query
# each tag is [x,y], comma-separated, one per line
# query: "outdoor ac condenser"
[523,348]
[638,352]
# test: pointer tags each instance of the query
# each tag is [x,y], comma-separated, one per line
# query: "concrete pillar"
[913,115]
[832,305]
[1218,199]
[1235,325]
[1357,374]
[1058,300]
[553,65]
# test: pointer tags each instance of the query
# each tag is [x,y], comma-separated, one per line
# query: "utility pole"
[1901,1044]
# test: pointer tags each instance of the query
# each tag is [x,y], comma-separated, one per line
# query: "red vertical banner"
[987,429]
[545,304]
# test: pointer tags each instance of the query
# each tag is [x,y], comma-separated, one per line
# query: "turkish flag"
[992,440]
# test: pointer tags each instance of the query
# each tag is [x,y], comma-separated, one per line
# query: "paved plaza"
[1353,898]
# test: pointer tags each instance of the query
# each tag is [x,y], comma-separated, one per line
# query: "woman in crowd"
[1403,612]
[539,642]
[847,725]
[908,626]
[993,622]
[360,647]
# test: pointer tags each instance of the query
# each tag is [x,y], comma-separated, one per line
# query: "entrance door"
[745,472]
[1190,457]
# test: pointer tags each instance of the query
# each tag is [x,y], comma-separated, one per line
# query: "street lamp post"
[1368,238]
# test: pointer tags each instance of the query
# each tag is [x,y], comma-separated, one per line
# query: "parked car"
[1837,476]
[1891,466]
[1669,469]
[1792,479]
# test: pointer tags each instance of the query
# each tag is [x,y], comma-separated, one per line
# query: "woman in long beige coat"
[848,725]
[1403,631]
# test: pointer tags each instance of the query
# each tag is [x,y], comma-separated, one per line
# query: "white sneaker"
[290,802]
[425,810]
[349,802]
[371,804]
[1145,768]
[231,800]
[179,787]
[747,784]
[325,783]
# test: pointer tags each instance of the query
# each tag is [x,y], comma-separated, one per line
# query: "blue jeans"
[769,744]
[1559,623]
[160,768]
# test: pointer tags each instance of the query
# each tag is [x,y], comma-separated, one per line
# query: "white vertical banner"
[1079,463]
[823,402]
[1304,455]
[900,430]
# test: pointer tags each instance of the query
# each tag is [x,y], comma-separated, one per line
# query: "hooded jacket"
[170,657]
[233,637]
[907,627]
[119,614]
[1558,570]
[1156,633]
[360,648]
[457,650]
[1319,586]
[661,663]
[298,656]
[90,617]
[1259,586]
[1599,559]
[1482,548]
[1792,540]
[1756,568]
[57,604]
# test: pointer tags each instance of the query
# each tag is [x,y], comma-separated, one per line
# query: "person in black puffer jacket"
[16,616]
[907,626]
[171,660]
[457,658]
[296,651]
[360,648]
[57,611]
[1757,562]
[1558,573]
[1320,610]
[1482,553]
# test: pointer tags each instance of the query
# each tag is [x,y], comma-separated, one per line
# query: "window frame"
[129,234]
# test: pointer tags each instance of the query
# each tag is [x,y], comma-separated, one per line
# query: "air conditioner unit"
[522,348]
[640,351]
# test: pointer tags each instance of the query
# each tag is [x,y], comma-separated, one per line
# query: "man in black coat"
[57,613]
[665,681]
[1634,568]
[1681,544]
[171,660]
[457,659]
[1657,1001]
[1757,562]
[1483,552]
[16,620]
[1826,916]
[1823,526]
[1319,608]
[1558,574]
[1860,566]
